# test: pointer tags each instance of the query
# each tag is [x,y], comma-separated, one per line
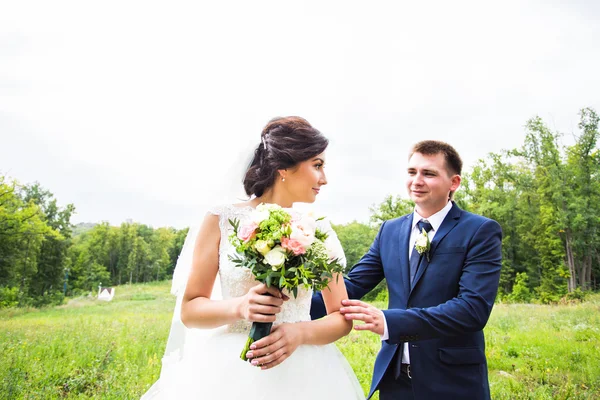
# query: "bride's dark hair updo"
[285,142]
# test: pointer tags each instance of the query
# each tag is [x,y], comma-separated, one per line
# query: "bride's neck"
[273,197]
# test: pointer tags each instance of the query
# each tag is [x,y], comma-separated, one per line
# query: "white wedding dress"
[208,366]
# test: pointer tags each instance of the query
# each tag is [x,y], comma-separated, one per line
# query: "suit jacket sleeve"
[363,277]
[471,308]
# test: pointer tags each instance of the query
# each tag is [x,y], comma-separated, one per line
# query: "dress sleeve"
[224,213]
[334,247]
[217,210]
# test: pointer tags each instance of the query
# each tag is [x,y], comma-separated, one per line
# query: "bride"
[298,360]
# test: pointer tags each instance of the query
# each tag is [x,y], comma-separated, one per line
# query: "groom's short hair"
[433,147]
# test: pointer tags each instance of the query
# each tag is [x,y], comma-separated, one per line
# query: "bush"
[576,296]
[9,297]
[545,297]
[49,299]
[520,292]
[383,296]
[374,294]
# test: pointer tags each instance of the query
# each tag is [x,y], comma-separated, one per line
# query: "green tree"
[581,233]
[356,238]
[520,292]
[175,249]
[23,229]
[47,286]
[391,207]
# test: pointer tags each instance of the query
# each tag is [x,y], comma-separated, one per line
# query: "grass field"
[90,349]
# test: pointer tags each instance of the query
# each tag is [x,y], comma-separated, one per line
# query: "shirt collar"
[436,219]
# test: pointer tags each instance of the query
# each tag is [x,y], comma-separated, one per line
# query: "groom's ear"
[456,179]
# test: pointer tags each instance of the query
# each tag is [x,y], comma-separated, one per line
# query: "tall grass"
[91,349]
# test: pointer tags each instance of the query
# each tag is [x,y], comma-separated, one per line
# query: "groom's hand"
[356,310]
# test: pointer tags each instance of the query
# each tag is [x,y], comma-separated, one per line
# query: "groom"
[441,290]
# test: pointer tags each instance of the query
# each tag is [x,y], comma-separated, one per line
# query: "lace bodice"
[236,281]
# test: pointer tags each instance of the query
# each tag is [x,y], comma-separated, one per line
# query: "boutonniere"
[423,244]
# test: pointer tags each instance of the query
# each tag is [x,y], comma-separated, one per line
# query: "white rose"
[275,257]
[257,216]
[422,241]
[334,249]
[262,247]
[304,231]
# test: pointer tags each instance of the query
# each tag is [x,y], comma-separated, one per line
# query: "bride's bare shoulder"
[244,204]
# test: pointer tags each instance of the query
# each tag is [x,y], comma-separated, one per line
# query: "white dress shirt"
[436,221]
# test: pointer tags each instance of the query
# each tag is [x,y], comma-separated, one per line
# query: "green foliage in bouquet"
[283,252]
[313,269]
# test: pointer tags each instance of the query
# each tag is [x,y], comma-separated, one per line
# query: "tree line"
[44,258]
[545,195]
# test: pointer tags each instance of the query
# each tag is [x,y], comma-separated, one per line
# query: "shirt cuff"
[386,334]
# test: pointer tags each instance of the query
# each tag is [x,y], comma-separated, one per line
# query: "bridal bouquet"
[285,251]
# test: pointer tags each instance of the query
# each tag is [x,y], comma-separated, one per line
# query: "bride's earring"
[282,179]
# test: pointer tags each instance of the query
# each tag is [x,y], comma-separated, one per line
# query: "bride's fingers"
[266,300]
[266,344]
[267,350]
[275,362]
[269,301]
[269,358]
[275,348]
[253,317]
[263,300]
[263,309]
[275,292]
[261,288]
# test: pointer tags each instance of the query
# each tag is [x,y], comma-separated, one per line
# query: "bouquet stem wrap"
[258,331]
[285,250]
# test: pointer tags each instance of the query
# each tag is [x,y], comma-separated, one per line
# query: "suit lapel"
[405,230]
[448,224]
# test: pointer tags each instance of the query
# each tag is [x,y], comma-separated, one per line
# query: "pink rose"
[247,232]
[293,245]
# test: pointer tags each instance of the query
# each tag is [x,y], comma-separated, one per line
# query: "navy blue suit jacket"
[443,313]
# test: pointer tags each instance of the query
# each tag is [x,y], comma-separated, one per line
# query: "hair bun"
[285,142]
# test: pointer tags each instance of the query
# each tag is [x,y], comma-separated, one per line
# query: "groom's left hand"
[373,317]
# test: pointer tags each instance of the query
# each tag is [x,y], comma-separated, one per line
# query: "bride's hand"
[274,349]
[258,306]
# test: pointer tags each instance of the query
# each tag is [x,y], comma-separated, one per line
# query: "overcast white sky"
[139,110]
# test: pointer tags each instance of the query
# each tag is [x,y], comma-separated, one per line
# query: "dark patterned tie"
[415,257]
